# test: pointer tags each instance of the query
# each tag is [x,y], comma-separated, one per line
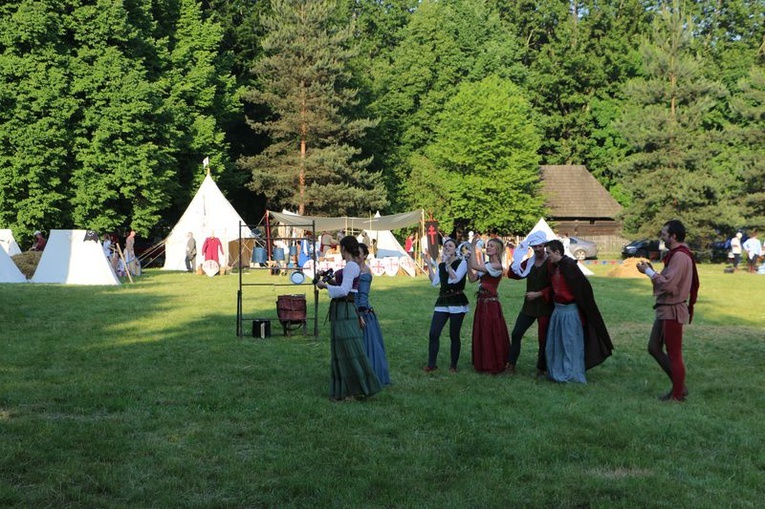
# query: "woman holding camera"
[451,305]
[351,373]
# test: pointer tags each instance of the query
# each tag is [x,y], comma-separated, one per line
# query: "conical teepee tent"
[72,257]
[9,272]
[8,243]
[208,212]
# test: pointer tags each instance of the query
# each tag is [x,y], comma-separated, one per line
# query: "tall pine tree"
[313,163]
[668,122]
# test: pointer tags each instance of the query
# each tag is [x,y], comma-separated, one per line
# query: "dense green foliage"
[105,117]
[108,108]
[482,164]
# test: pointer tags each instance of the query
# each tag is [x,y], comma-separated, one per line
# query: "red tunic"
[211,248]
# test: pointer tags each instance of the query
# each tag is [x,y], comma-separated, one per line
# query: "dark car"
[582,249]
[644,248]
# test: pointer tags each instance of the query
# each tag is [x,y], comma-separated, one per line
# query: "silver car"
[582,249]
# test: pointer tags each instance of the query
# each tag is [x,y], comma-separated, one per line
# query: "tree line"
[334,107]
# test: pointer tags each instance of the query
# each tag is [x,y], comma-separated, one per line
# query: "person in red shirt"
[577,338]
[40,242]
[409,245]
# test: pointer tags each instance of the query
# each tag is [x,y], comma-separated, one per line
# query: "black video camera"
[324,276]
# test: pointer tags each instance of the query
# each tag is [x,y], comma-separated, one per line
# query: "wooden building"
[580,206]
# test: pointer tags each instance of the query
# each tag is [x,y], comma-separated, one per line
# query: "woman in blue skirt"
[351,373]
[373,339]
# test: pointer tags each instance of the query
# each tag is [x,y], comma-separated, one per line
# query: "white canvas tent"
[9,272]
[8,243]
[543,227]
[209,211]
[70,259]
[387,245]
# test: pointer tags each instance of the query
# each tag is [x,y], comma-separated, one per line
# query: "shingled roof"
[571,192]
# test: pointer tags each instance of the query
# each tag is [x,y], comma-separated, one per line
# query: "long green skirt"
[352,374]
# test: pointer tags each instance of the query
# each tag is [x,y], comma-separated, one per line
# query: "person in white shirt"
[753,248]
[735,250]
[451,305]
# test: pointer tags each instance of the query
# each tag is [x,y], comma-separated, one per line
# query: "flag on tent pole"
[431,233]
[206,162]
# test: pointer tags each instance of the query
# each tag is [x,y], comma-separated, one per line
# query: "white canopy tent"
[71,258]
[391,222]
[377,228]
[9,272]
[208,212]
[8,243]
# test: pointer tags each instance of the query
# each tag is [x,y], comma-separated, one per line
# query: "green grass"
[143,396]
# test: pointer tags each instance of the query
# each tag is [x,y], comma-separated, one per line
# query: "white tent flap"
[9,272]
[8,243]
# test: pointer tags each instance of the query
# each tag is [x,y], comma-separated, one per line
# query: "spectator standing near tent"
[577,338]
[675,288]
[212,249]
[451,305]
[351,372]
[326,242]
[409,245]
[106,245]
[366,240]
[536,271]
[491,342]
[130,259]
[39,243]
[753,248]
[191,253]
[735,249]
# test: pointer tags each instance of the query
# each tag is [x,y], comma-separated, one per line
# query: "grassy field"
[143,396]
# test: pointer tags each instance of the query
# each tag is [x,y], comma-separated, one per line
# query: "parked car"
[582,249]
[643,248]
[718,251]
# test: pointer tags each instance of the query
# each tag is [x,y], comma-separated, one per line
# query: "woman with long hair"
[351,373]
[451,305]
[491,341]
[373,339]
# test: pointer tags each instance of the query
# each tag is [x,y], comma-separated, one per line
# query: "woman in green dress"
[351,373]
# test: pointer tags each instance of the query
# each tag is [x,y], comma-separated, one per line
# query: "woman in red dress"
[491,341]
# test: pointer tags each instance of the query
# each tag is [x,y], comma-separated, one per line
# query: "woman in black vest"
[451,305]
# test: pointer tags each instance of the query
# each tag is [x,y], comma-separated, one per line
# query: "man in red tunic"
[675,288]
